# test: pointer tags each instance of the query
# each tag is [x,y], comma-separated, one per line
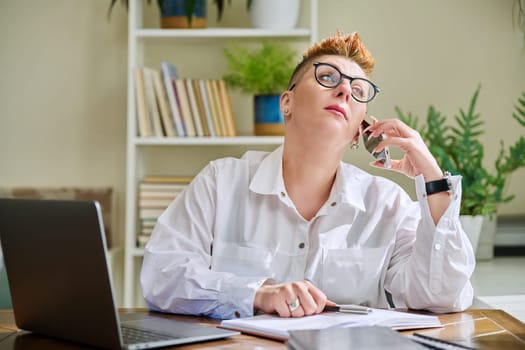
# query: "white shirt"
[235,227]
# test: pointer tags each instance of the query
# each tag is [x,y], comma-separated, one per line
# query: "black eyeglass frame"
[376,88]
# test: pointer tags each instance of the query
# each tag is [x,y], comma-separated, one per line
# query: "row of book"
[155,193]
[171,107]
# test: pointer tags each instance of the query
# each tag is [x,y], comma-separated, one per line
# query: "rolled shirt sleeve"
[435,275]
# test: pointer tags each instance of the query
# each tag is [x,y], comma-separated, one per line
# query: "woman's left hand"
[416,159]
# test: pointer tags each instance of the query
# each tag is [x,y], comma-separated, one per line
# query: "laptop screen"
[60,283]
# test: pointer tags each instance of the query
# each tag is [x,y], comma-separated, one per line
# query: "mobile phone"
[372,142]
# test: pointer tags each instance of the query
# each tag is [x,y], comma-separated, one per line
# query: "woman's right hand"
[280,299]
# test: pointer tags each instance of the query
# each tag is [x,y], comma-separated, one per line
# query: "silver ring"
[294,305]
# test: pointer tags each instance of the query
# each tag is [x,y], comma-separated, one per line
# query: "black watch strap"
[442,185]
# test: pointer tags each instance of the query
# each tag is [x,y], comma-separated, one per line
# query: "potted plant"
[458,149]
[181,13]
[263,72]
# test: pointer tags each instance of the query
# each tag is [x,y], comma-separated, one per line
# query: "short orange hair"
[349,45]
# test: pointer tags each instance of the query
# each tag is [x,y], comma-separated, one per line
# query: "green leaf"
[519,116]
[262,71]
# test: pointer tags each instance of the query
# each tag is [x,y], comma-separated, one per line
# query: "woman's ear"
[285,105]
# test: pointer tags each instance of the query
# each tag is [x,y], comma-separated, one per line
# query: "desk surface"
[478,328]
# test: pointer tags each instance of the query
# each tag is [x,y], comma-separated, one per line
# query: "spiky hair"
[349,45]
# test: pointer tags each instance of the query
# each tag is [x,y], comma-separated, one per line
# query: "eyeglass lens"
[329,76]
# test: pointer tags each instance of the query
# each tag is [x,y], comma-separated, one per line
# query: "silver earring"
[354,145]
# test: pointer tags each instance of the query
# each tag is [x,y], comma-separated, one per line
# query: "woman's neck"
[308,173]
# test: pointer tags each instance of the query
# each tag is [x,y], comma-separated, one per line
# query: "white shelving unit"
[138,149]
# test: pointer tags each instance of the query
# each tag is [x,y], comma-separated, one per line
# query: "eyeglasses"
[329,76]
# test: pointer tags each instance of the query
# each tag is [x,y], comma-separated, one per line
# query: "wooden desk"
[479,328]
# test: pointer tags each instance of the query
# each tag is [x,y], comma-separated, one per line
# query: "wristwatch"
[441,185]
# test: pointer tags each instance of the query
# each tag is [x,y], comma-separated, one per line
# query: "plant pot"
[487,238]
[173,14]
[274,14]
[268,117]
[472,226]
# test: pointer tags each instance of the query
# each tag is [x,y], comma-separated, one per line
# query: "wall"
[62,95]
[63,79]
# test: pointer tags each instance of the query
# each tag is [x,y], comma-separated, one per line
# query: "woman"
[294,230]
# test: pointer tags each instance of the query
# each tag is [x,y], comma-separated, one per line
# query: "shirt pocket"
[354,275]
[241,260]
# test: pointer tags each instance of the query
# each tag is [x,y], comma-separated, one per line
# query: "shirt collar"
[268,178]
[349,186]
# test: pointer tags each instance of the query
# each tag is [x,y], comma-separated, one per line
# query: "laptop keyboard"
[133,335]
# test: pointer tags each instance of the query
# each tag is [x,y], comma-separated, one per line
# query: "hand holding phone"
[372,142]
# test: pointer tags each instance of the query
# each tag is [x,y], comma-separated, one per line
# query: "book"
[206,106]
[146,231]
[167,178]
[156,194]
[362,337]
[142,109]
[152,213]
[151,99]
[148,223]
[213,108]
[185,111]
[193,107]
[200,107]
[162,101]
[275,327]
[227,109]
[142,240]
[169,74]
[155,202]
[219,107]
[213,94]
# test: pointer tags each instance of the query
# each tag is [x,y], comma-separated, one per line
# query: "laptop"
[60,282]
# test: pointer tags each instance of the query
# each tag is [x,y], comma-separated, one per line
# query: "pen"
[349,308]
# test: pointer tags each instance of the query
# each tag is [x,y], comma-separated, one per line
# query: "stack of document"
[275,327]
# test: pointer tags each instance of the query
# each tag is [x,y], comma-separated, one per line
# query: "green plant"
[264,71]
[458,150]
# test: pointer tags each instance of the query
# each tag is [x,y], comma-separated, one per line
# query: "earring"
[354,146]
[286,111]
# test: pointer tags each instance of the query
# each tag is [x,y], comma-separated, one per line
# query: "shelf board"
[218,33]
[208,141]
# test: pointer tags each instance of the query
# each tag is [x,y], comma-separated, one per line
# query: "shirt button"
[333,204]
[437,246]
[283,194]
[237,314]
[301,245]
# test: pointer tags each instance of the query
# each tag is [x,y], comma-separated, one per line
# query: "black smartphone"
[371,143]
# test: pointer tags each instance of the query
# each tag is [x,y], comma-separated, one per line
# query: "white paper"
[274,326]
